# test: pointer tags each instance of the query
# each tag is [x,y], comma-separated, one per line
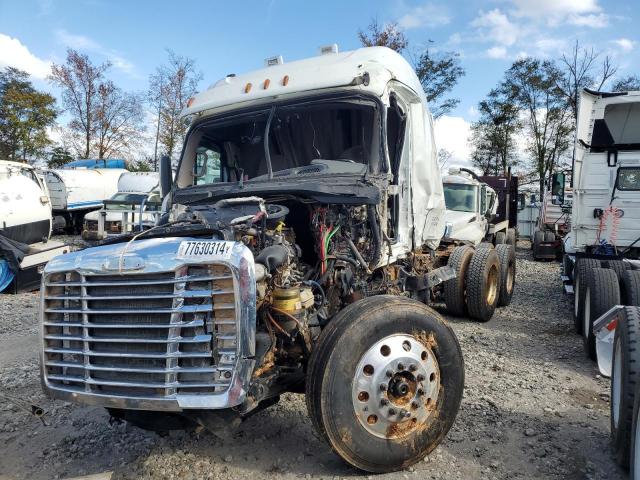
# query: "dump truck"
[298,250]
[601,265]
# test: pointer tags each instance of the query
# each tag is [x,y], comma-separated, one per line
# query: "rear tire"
[365,342]
[625,378]
[511,237]
[538,237]
[507,256]
[631,288]
[580,276]
[617,266]
[454,289]
[501,238]
[603,292]
[634,467]
[483,284]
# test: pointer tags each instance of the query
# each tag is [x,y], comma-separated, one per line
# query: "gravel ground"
[533,407]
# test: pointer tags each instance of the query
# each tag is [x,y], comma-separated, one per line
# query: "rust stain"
[426,339]
[267,364]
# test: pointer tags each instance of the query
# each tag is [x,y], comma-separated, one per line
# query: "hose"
[375,231]
[315,284]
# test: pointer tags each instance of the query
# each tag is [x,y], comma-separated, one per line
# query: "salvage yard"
[533,407]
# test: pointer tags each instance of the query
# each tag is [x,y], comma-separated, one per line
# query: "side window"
[396,122]
[207,166]
[483,200]
[628,178]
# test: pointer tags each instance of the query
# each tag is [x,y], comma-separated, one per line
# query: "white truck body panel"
[81,189]
[137,182]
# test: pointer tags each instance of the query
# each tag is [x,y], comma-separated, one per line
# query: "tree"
[118,120]
[390,35]
[80,82]
[626,84]
[578,72]
[439,73]
[493,135]
[59,157]
[534,86]
[139,166]
[169,90]
[25,115]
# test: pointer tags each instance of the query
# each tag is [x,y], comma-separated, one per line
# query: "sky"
[233,37]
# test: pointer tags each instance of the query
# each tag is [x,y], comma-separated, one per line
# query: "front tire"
[403,345]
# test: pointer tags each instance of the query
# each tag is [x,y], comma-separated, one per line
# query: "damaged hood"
[464,226]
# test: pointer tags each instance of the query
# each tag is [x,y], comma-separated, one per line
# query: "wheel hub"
[395,387]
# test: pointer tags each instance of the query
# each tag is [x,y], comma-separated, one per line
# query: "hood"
[116,216]
[464,226]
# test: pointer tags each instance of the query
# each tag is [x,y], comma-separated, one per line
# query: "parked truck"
[134,207]
[601,266]
[25,228]
[298,246]
[74,192]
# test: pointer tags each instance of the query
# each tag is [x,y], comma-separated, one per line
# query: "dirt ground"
[534,407]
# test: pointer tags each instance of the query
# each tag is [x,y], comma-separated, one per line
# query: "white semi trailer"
[602,251]
[299,243]
[74,192]
[25,228]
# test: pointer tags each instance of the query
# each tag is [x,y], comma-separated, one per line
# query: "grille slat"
[141,335]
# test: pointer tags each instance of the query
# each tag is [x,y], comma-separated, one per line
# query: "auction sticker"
[213,249]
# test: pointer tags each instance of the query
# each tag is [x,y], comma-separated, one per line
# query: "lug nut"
[392,411]
[389,373]
[420,378]
[383,387]
[420,392]
[384,402]
[401,366]
[413,367]
[404,413]
[414,404]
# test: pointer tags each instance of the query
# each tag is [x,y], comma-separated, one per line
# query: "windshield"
[461,198]
[127,200]
[330,136]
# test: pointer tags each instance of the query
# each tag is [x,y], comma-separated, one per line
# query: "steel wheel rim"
[587,313]
[492,292]
[616,383]
[396,386]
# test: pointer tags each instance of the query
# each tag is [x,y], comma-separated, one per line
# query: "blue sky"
[225,37]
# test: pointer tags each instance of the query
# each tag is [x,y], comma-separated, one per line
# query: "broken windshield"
[335,136]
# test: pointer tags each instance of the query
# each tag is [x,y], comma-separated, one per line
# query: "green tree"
[139,166]
[493,134]
[534,86]
[438,72]
[25,114]
[59,156]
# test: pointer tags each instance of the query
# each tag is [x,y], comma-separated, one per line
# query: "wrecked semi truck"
[602,253]
[299,244]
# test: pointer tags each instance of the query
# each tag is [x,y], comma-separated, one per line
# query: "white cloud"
[497,52]
[14,54]
[82,42]
[452,134]
[593,20]
[553,8]
[426,15]
[494,26]
[625,44]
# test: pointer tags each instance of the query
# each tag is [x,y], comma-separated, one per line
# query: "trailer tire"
[454,289]
[634,461]
[549,237]
[617,266]
[362,343]
[511,237]
[603,292]
[631,288]
[483,284]
[501,238]
[507,256]
[625,378]
[580,277]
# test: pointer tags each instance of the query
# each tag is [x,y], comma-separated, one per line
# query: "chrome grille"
[141,335]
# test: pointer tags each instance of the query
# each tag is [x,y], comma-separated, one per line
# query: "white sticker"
[206,249]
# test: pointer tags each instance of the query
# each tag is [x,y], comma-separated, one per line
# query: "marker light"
[190,102]
[247,87]
[285,80]
[277,60]
[328,49]
[266,84]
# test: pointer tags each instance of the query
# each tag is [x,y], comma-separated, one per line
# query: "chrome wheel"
[396,386]
[492,291]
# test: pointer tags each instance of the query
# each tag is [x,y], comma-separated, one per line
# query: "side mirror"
[165,175]
[557,188]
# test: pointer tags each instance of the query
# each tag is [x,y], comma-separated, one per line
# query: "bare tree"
[626,84]
[388,35]
[579,71]
[119,117]
[80,80]
[169,90]
[444,156]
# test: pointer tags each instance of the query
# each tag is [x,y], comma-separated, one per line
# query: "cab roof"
[327,71]
[459,179]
